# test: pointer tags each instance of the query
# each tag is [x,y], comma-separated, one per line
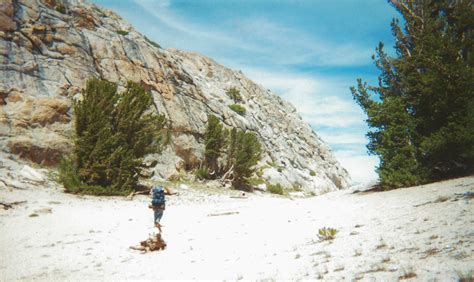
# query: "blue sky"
[308,51]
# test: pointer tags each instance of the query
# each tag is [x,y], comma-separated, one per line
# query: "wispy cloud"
[361,167]
[261,39]
[343,137]
[315,98]
[305,47]
[162,11]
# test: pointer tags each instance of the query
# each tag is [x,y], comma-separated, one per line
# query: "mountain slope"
[50,48]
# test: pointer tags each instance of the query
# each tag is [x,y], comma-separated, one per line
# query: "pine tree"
[214,142]
[240,150]
[114,131]
[95,140]
[231,148]
[247,153]
[421,118]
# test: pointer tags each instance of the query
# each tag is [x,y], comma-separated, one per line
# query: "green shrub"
[113,132]
[297,188]
[122,32]
[238,109]
[312,173]
[202,173]
[327,233]
[255,181]
[275,189]
[152,42]
[261,170]
[99,10]
[234,94]
[61,8]
[68,176]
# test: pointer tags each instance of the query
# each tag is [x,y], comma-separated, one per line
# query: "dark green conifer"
[234,94]
[247,153]
[422,117]
[231,148]
[114,131]
[241,151]
[214,142]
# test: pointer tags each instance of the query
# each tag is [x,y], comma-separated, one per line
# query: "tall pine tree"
[421,114]
[247,152]
[215,139]
[114,131]
[240,149]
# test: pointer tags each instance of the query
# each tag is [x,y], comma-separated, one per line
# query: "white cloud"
[343,138]
[360,167]
[208,35]
[314,97]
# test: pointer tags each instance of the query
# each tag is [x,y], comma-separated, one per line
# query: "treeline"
[421,113]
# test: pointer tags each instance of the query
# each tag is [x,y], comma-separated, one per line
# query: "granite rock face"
[48,49]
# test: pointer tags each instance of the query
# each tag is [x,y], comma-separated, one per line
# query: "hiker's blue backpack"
[158,196]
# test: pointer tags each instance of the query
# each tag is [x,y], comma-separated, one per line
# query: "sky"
[307,51]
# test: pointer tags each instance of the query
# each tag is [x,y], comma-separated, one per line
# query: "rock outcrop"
[50,48]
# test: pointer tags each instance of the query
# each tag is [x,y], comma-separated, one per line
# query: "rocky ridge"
[50,48]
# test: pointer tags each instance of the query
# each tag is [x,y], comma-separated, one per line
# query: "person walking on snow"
[158,203]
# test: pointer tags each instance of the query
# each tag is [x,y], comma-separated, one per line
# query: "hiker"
[158,203]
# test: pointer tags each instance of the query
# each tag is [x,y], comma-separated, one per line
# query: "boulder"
[6,16]
[30,174]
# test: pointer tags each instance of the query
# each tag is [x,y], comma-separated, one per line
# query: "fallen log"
[223,213]
[226,175]
[153,243]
